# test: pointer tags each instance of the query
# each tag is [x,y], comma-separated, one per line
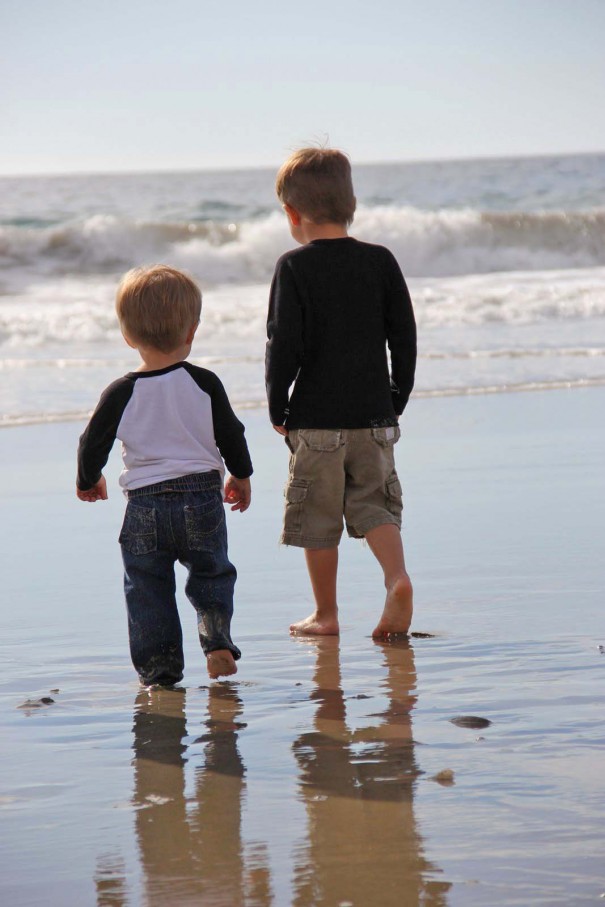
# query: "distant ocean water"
[505,260]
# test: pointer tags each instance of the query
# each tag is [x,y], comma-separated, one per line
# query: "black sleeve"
[284,351]
[401,336]
[229,434]
[100,433]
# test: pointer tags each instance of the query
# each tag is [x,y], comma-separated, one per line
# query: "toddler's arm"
[98,438]
[98,492]
[237,493]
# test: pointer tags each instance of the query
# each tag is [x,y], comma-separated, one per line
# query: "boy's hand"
[237,493]
[98,492]
[281,430]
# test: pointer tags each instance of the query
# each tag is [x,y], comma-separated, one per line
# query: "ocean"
[505,260]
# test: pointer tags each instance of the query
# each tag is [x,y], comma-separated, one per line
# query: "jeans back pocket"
[202,522]
[139,533]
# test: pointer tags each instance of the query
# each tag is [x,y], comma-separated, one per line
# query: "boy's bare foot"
[315,626]
[397,614]
[221,663]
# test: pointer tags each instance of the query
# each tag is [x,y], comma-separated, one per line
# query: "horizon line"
[152,171]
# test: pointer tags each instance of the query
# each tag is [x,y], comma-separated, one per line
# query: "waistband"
[196,481]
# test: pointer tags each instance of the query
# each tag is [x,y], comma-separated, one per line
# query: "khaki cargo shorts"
[336,473]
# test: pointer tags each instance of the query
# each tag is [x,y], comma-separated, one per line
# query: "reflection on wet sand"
[191,848]
[110,881]
[362,845]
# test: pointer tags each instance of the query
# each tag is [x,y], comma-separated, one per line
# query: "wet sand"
[327,772]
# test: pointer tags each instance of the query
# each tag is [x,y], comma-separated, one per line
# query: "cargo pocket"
[295,493]
[202,521]
[388,436]
[139,532]
[321,439]
[394,497]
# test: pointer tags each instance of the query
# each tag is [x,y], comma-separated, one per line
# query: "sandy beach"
[327,772]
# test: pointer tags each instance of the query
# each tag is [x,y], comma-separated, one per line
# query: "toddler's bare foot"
[316,626]
[221,663]
[397,614]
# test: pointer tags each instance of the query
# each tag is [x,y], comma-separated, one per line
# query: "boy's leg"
[386,546]
[322,564]
[154,628]
[313,519]
[373,506]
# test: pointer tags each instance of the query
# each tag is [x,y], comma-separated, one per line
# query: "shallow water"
[309,779]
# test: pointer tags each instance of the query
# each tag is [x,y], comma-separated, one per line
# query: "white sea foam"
[80,310]
[426,243]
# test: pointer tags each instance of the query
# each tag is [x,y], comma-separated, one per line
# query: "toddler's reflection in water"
[363,846]
[191,849]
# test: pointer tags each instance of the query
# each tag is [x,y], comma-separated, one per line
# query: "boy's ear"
[191,333]
[293,215]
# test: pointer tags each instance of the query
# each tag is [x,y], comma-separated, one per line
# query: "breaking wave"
[444,243]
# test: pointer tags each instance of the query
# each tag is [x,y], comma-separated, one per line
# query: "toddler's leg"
[387,547]
[154,628]
[211,581]
[209,588]
[322,564]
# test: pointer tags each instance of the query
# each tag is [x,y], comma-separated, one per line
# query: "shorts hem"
[288,538]
[360,532]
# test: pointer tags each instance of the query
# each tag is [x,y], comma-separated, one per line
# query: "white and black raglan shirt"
[172,422]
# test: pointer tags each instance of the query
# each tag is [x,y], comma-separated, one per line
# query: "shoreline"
[486,390]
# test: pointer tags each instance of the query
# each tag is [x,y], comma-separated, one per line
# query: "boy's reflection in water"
[191,850]
[363,845]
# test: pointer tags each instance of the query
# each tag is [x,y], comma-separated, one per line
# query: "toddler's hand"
[98,492]
[237,493]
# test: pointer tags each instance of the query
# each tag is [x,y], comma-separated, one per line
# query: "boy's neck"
[310,231]
[154,360]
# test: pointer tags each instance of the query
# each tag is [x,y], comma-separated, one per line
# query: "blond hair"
[317,183]
[157,306]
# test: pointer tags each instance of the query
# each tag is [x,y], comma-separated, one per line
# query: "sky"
[129,85]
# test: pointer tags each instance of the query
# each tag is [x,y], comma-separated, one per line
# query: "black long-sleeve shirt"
[335,306]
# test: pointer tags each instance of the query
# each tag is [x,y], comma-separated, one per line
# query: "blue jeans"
[178,520]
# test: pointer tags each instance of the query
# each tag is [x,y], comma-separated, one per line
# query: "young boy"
[176,427]
[335,305]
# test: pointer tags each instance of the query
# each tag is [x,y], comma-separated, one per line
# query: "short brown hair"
[157,306]
[317,183]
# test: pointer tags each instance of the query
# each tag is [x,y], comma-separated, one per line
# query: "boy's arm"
[284,351]
[98,438]
[229,435]
[401,336]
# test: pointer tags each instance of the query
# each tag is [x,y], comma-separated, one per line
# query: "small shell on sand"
[36,703]
[470,721]
[445,777]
